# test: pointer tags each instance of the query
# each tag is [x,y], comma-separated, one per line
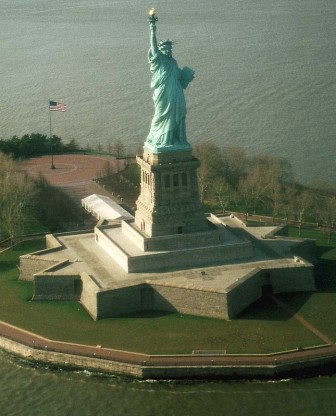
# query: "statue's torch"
[152,18]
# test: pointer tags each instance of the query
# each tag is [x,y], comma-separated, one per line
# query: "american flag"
[54,106]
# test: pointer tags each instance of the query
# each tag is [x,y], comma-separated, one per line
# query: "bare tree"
[289,198]
[16,189]
[211,165]
[303,203]
[119,149]
[262,185]
[222,193]
[234,164]
[327,214]
[99,147]
[276,198]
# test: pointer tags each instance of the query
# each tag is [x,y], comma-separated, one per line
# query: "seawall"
[204,365]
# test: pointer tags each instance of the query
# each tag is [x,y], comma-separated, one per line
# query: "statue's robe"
[168,126]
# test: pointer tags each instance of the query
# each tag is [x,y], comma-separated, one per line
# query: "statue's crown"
[165,42]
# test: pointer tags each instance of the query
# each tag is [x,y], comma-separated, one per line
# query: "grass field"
[262,328]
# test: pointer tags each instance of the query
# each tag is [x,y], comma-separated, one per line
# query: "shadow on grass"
[6,266]
[320,250]
[152,314]
[325,272]
[266,309]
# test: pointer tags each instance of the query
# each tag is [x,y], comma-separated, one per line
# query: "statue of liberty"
[168,128]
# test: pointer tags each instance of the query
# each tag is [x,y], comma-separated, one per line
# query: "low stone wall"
[31,264]
[180,367]
[54,287]
[52,241]
[70,361]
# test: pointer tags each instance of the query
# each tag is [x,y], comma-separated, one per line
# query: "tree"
[276,198]
[262,186]
[99,147]
[119,148]
[253,189]
[72,146]
[34,144]
[222,192]
[109,148]
[327,214]
[211,167]
[16,190]
[303,202]
[234,164]
[289,198]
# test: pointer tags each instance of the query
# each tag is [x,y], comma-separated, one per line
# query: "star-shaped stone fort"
[169,256]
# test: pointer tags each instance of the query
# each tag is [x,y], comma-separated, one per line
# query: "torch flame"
[152,12]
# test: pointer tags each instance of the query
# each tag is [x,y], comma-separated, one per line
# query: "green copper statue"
[168,128]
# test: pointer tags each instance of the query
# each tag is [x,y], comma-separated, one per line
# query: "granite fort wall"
[104,304]
[88,297]
[243,292]
[296,278]
[120,301]
[53,287]
[158,297]
[189,301]
[147,296]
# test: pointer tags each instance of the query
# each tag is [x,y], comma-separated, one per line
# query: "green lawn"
[33,225]
[262,328]
[327,251]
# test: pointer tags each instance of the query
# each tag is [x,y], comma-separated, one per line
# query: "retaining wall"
[276,366]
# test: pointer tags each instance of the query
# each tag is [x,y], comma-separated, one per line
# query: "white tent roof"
[102,207]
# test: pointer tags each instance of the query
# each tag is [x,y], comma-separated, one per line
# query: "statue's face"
[166,49]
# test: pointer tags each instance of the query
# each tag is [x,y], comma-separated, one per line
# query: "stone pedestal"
[169,200]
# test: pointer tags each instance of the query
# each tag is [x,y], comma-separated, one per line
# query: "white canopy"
[103,208]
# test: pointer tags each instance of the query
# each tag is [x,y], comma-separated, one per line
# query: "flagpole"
[52,166]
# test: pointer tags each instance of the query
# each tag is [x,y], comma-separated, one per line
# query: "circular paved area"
[71,169]
[74,174]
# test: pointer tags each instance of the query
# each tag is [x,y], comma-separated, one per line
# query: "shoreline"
[314,361]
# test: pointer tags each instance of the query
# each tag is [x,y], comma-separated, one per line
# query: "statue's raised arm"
[152,27]
[168,129]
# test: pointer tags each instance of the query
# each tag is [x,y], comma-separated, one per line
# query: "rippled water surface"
[32,391]
[265,72]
